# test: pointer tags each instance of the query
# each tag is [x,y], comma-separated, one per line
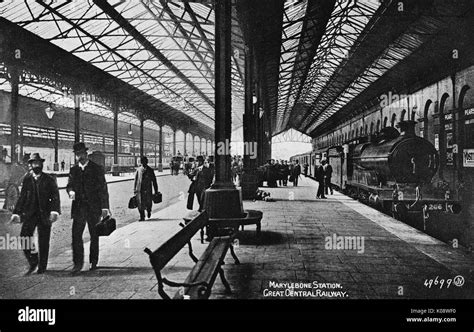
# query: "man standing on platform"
[38,206]
[296,173]
[145,183]
[88,190]
[320,178]
[327,177]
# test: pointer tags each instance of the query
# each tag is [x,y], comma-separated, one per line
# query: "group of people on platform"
[279,172]
[38,207]
[323,175]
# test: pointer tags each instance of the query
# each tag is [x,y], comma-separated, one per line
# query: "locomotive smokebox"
[407,128]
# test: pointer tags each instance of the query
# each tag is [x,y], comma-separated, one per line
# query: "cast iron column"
[142,150]
[184,153]
[223,200]
[115,109]
[77,118]
[14,112]
[160,150]
[223,112]
[174,142]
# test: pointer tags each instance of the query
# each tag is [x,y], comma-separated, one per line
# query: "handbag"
[106,226]
[132,203]
[157,198]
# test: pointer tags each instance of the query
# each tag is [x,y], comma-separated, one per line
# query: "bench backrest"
[161,256]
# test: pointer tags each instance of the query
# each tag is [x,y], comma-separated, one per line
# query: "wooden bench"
[201,278]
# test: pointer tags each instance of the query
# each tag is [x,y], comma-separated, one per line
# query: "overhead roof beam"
[125,24]
[183,32]
[315,21]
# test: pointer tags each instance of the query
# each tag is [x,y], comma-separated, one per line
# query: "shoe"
[41,271]
[31,269]
[149,214]
[324,197]
[141,219]
[76,269]
[93,266]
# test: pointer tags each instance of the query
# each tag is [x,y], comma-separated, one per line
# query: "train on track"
[390,171]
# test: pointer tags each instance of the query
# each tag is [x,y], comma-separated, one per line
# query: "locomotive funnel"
[407,128]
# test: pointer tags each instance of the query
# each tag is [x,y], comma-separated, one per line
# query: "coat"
[90,187]
[319,173]
[145,182]
[48,195]
[296,171]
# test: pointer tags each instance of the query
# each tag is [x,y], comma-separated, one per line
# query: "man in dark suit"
[88,190]
[296,173]
[201,178]
[320,179]
[38,206]
[145,183]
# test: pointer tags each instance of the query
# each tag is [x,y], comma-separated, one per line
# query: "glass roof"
[182,33]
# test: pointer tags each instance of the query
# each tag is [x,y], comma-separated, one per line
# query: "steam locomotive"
[391,171]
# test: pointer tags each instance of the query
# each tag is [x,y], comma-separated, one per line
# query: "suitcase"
[106,226]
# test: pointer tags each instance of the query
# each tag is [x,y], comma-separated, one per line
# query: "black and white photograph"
[306,156]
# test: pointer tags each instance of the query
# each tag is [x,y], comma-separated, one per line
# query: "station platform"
[390,261]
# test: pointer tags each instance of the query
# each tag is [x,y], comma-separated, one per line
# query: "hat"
[200,158]
[79,146]
[35,157]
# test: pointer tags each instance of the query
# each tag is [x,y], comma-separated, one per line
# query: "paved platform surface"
[395,262]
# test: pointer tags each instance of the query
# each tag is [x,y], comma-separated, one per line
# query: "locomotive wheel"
[12,193]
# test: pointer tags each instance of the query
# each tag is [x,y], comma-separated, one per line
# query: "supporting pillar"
[184,153]
[142,147]
[56,148]
[249,180]
[174,142]
[21,143]
[14,113]
[115,165]
[77,118]
[223,200]
[160,150]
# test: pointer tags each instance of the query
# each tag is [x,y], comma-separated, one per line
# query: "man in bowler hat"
[38,206]
[88,190]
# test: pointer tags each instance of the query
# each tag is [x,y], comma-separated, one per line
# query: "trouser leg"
[27,231]
[44,234]
[78,226]
[92,221]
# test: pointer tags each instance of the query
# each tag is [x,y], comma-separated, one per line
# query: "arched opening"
[377,128]
[424,129]
[197,145]
[189,144]
[385,122]
[180,142]
[466,128]
[394,120]
[202,144]
[371,128]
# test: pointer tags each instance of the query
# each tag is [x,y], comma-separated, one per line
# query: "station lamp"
[130,132]
[50,111]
